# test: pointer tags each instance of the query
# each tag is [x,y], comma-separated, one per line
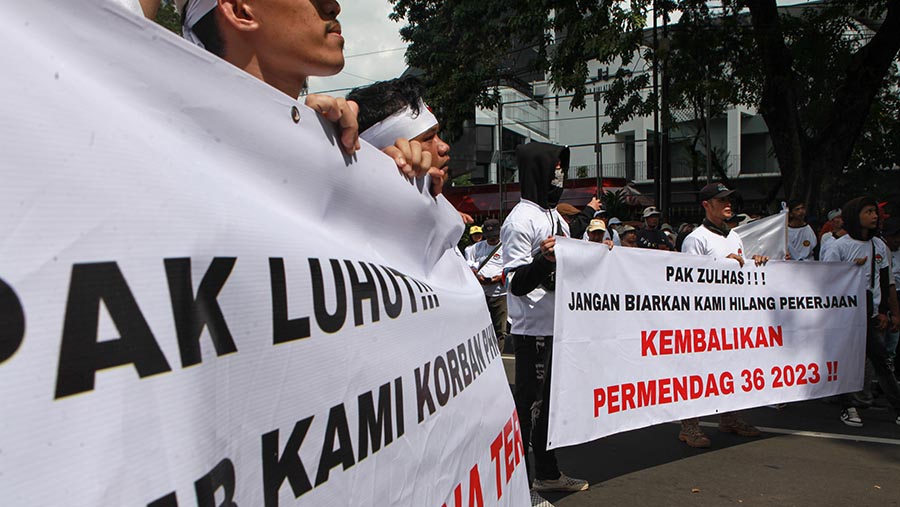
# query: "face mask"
[558,178]
[556,188]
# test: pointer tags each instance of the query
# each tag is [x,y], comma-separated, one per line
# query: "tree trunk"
[811,163]
[778,103]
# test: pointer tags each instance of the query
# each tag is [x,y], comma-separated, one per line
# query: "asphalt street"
[805,457]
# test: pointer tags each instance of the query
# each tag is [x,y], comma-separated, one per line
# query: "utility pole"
[500,173]
[656,146]
[598,154]
[708,147]
[665,169]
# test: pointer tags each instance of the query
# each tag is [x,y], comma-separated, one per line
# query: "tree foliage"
[168,17]
[814,71]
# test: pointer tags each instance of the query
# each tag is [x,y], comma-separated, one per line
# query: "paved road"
[806,457]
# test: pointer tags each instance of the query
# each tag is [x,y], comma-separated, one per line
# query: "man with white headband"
[394,118]
[283,42]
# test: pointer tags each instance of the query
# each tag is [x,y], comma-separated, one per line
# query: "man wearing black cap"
[528,236]
[801,237]
[486,260]
[715,238]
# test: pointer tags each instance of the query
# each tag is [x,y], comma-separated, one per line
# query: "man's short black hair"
[379,100]
[793,203]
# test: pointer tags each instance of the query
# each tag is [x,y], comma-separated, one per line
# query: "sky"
[373,49]
[366,29]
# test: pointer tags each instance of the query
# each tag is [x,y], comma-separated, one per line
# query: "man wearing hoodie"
[861,247]
[529,265]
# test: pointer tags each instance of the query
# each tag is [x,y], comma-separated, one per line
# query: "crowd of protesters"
[862,232]
[514,261]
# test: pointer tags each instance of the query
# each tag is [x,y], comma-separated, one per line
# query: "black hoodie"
[537,164]
[537,167]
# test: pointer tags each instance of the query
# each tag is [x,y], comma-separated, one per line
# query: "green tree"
[814,72]
[168,17]
[615,204]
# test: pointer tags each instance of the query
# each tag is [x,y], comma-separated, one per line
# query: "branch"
[864,77]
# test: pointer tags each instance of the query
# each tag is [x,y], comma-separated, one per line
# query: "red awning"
[487,201]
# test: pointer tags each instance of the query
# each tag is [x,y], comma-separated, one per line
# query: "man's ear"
[238,14]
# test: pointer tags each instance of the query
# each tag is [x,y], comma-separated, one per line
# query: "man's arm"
[524,269]
[580,221]
[529,276]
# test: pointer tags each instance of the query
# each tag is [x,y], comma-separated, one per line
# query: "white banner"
[643,337]
[767,236]
[204,302]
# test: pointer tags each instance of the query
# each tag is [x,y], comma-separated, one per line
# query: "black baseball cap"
[491,228]
[716,190]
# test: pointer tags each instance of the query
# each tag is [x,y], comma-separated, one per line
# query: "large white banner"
[643,337]
[204,302]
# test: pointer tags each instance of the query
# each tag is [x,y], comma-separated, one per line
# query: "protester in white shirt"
[596,233]
[891,234]
[801,237]
[528,237]
[486,260]
[714,238]
[837,222]
[870,254]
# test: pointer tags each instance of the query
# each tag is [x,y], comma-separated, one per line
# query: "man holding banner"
[860,246]
[528,236]
[187,342]
[486,260]
[715,238]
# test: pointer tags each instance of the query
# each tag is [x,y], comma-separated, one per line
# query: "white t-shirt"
[521,234]
[469,252]
[847,249]
[703,241]
[827,240]
[475,255]
[801,242]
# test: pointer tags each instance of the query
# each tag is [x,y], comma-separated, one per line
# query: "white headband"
[196,9]
[404,123]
